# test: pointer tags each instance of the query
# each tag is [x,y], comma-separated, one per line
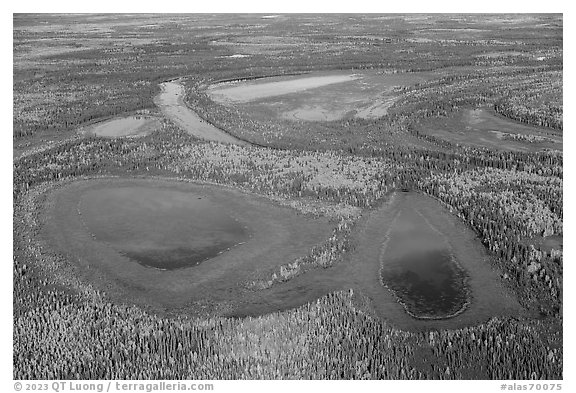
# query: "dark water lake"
[161,228]
[428,283]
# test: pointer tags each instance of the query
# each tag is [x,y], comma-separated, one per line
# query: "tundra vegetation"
[73,71]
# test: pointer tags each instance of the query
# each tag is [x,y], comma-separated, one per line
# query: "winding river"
[171,103]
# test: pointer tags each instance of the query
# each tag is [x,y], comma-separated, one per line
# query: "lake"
[160,228]
[271,87]
[321,96]
[420,268]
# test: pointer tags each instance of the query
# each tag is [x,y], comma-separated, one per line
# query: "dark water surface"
[428,283]
[162,228]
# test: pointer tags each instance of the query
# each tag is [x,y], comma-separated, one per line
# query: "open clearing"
[484,128]
[278,235]
[361,271]
[325,96]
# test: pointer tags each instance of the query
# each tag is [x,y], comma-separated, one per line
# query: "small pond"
[428,283]
[418,265]
[126,126]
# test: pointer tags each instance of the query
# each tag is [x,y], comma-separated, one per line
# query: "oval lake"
[161,228]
